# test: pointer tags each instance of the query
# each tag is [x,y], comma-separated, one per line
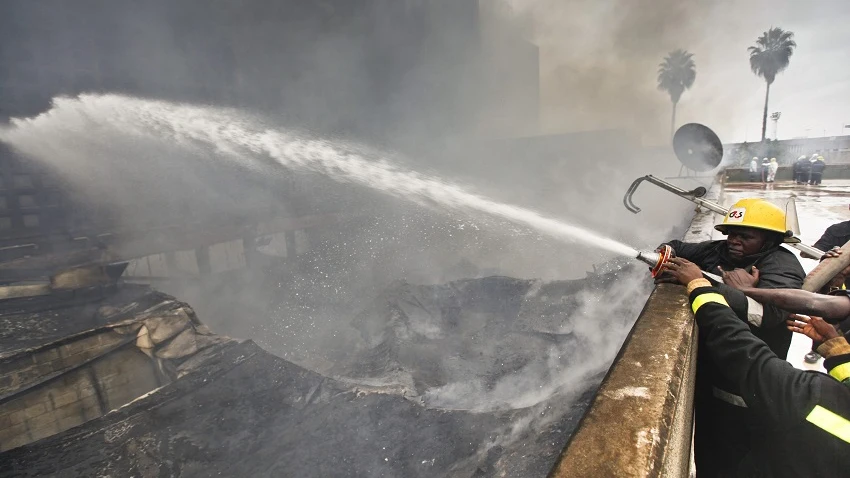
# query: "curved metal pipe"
[692,195]
[695,196]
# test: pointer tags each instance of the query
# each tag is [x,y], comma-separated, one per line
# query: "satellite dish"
[697,147]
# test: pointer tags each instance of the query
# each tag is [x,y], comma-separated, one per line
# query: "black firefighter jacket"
[834,235]
[778,269]
[803,415]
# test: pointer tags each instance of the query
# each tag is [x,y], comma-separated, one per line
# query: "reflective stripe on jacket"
[804,415]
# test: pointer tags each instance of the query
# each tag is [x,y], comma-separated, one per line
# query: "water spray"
[241,139]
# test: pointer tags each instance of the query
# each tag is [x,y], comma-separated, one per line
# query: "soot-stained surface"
[33,321]
[249,413]
[482,377]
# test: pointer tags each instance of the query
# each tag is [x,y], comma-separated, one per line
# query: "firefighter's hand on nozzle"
[812,327]
[683,270]
[664,277]
[740,278]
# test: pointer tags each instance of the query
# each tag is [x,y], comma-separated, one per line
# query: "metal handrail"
[695,196]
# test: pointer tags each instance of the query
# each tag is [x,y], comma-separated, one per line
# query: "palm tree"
[770,56]
[675,75]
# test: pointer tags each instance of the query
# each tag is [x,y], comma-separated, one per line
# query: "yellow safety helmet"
[758,214]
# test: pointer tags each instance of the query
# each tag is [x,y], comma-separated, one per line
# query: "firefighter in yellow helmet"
[755,230]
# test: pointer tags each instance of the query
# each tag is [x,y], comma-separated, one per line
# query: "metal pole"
[695,197]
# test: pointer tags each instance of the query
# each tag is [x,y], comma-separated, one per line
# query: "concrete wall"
[222,257]
[57,385]
[640,422]
[834,149]
[25,370]
[72,398]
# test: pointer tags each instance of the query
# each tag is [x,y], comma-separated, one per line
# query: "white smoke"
[234,136]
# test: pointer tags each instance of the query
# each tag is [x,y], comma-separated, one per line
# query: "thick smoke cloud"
[600,58]
[410,81]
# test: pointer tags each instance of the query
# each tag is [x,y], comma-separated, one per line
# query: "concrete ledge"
[640,422]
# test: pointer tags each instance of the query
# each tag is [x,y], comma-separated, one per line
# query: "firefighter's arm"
[828,240]
[771,387]
[760,313]
[746,310]
[692,251]
[829,307]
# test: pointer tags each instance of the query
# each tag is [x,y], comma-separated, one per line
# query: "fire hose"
[827,269]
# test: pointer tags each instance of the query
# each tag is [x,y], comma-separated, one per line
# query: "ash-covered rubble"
[480,377]
[463,344]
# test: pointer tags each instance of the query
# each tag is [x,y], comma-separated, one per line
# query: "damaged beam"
[123,246]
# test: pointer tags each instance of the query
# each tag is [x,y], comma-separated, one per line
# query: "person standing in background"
[754,169]
[817,171]
[765,169]
[803,168]
[795,173]
[772,169]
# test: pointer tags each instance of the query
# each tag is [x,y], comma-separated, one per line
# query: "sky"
[813,94]
[599,61]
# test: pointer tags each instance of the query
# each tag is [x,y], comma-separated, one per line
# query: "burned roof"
[33,321]
[248,413]
[480,377]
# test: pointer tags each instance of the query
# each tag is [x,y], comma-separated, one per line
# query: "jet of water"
[241,137]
